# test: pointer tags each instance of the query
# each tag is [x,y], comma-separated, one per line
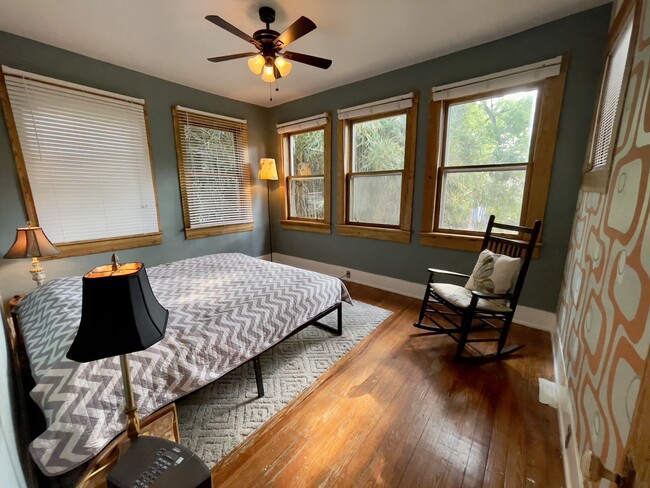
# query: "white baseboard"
[565,411]
[530,317]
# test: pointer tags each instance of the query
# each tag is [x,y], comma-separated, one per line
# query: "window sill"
[217,230]
[596,181]
[379,233]
[83,248]
[460,242]
[307,226]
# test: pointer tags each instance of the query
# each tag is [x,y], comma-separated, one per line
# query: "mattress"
[224,309]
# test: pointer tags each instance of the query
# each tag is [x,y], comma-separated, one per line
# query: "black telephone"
[158,463]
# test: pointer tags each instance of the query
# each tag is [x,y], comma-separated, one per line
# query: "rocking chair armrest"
[450,273]
[489,296]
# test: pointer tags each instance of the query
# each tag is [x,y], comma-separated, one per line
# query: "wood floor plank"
[397,411]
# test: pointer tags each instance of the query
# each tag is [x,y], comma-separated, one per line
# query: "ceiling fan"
[269,60]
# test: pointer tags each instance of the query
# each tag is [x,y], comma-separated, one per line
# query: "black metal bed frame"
[314,321]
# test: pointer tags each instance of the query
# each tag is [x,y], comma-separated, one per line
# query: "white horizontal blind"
[609,98]
[375,108]
[87,159]
[496,81]
[214,169]
[303,124]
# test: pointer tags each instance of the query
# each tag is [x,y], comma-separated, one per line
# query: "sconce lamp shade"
[119,314]
[268,171]
[31,242]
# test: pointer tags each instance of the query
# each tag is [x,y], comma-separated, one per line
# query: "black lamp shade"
[119,314]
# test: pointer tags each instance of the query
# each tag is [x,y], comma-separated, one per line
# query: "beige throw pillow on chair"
[494,273]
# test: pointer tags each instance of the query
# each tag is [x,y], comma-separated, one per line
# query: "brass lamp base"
[130,410]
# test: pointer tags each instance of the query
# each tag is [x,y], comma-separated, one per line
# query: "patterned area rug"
[216,419]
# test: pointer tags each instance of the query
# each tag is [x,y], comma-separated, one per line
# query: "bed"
[224,310]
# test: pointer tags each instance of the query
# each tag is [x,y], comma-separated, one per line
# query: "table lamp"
[31,242]
[119,315]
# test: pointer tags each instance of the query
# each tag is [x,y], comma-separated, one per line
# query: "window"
[83,163]
[376,164]
[305,173]
[214,173]
[491,145]
[610,101]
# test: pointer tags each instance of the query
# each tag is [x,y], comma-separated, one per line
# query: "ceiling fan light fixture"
[284,66]
[268,74]
[256,64]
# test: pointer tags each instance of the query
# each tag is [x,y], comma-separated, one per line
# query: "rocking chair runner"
[480,308]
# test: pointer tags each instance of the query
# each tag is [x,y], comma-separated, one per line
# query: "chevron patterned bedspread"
[224,309]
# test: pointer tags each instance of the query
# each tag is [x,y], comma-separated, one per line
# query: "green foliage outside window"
[378,145]
[306,197]
[489,132]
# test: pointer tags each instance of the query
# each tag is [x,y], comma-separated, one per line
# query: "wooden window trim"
[307,225]
[540,167]
[198,232]
[597,180]
[82,248]
[79,248]
[401,233]
[217,230]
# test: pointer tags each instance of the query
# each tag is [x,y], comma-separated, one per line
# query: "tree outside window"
[377,166]
[304,148]
[491,145]
[306,181]
[486,158]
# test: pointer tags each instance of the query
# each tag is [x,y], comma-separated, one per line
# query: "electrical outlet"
[347,274]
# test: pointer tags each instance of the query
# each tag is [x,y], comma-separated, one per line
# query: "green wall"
[160,95]
[582,37]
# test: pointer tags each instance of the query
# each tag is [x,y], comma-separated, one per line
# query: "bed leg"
[258,376]
[339,318]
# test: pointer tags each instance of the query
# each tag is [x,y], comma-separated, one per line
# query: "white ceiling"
[171,39]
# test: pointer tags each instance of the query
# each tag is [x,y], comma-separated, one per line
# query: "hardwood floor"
[398,412]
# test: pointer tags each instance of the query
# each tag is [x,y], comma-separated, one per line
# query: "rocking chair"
[485,306]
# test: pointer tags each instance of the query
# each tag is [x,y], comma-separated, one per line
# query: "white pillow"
[494,273]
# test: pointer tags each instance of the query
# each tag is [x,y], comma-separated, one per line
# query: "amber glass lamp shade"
[256,64]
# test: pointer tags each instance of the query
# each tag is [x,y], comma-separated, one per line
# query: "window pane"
[470,198]
[307,153]
[215,175]
[306,198]
[375,199]
[491,131]
[611,92]
[378,145]
[87,159]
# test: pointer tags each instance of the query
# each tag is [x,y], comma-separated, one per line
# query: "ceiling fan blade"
[231,56]
[307,59]
[218,21]
[296,30]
